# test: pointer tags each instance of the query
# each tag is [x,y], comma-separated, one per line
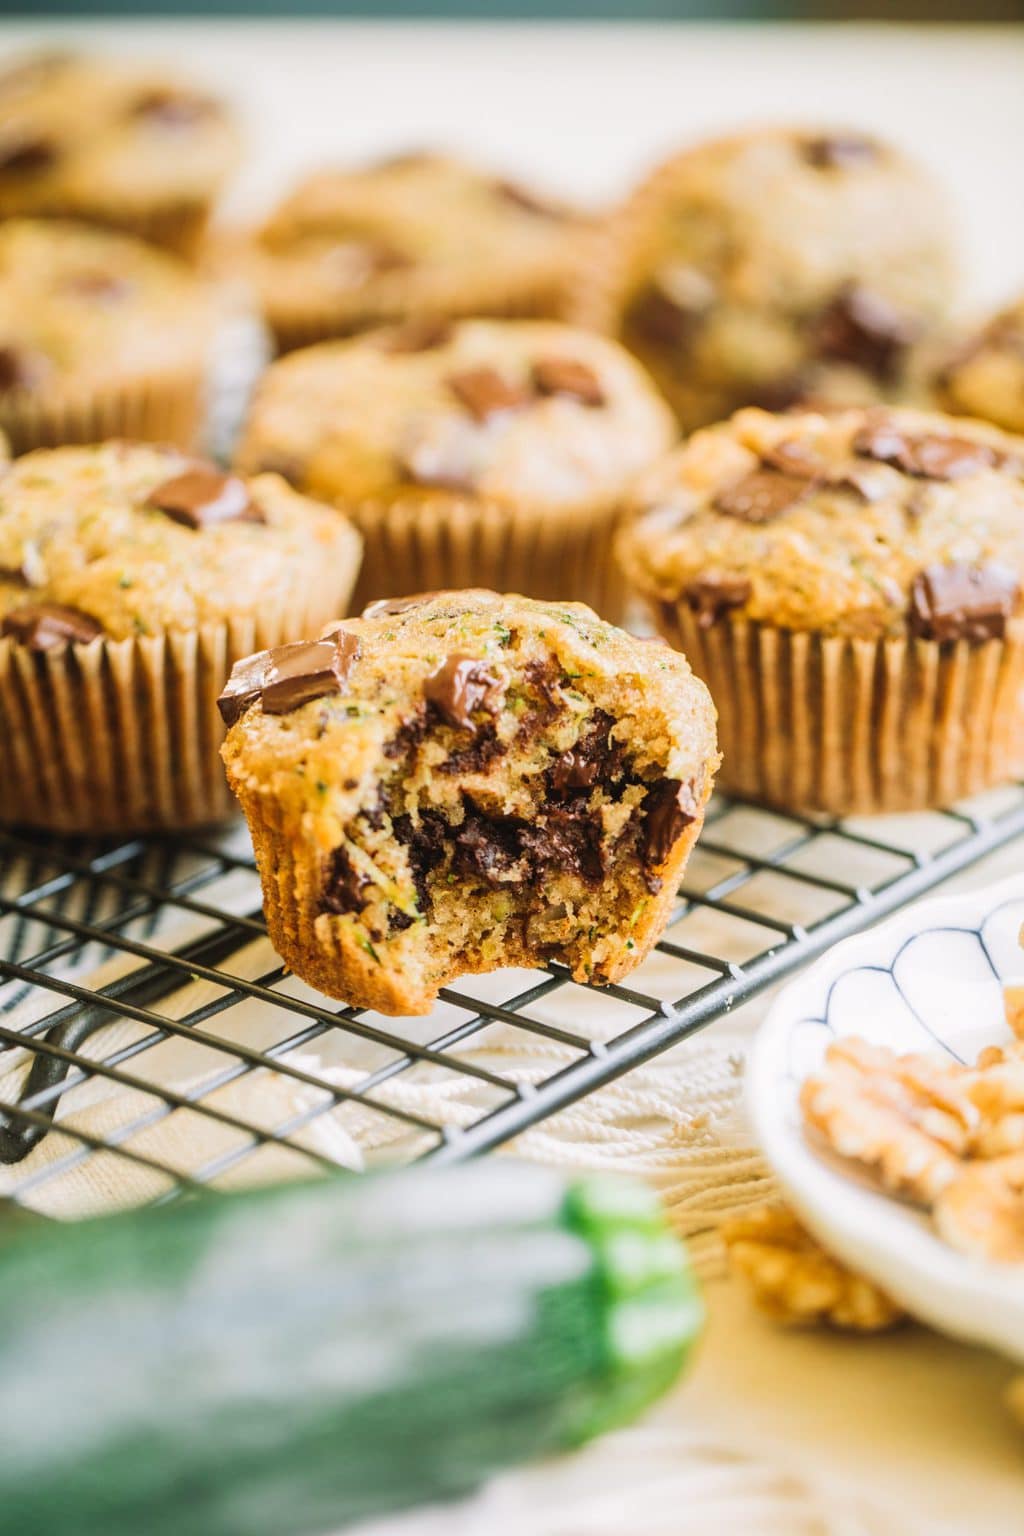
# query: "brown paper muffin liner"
[831,723]
[124,735]
[157,407]
[432,542]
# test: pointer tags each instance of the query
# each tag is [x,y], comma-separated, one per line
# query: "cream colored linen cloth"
[772,1431]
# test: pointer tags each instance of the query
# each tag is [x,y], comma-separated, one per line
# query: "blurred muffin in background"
[100,336]
[850,587]
[481,453]
[125,145]
[773,268]
[415,235]
[132,578]
[985,377]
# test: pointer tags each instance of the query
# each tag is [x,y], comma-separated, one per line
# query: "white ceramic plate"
[928,979]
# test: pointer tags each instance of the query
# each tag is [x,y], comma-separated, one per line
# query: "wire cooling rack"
[117,957]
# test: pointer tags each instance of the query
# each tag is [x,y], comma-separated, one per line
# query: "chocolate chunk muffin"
[460,781]
[985,377]
[774,267]
[470,454]
[131,578]
[849,587]
[413,236]
[112,143]
[100,336]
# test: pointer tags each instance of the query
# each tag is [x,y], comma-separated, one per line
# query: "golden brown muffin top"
[139,539]
[986,376]
[860,522]
[104,137]
[410,234]
[80,306]
[522,410]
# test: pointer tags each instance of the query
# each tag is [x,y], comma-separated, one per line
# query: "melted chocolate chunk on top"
[714,594]
[289,676]
[669,308]
[670,807]
[927,456]
[485,393]
[962,602]
[23,368]
[23,154]
[762,495]
[460,686]
[568,376]
[840,151]
[202,497]
[861,328]
[49,626]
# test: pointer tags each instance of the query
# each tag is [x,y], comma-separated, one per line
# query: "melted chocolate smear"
[425,841]
[670,807]
[407,738]
[661,318]
[926,456]
[962,602]
[26,155]
[460,686]
[343,885]
[863,329]
[478,757]
[712,595]
[49,626]
[594,759]
[22,368]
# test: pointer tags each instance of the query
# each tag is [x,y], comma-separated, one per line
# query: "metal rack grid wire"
[97,940]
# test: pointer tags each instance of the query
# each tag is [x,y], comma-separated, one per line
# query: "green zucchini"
[291,1360]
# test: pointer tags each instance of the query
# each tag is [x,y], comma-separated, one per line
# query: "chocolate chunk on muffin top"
[862,522]
[415,233]
[127,539]
[524,411]
[105,139]
[461,781]
[81,306]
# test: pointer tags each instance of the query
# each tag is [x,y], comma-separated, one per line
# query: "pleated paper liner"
[160,407]
[124,735]
[433,541]
[847,726]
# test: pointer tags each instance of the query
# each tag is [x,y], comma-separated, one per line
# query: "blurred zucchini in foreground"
[291,1360]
